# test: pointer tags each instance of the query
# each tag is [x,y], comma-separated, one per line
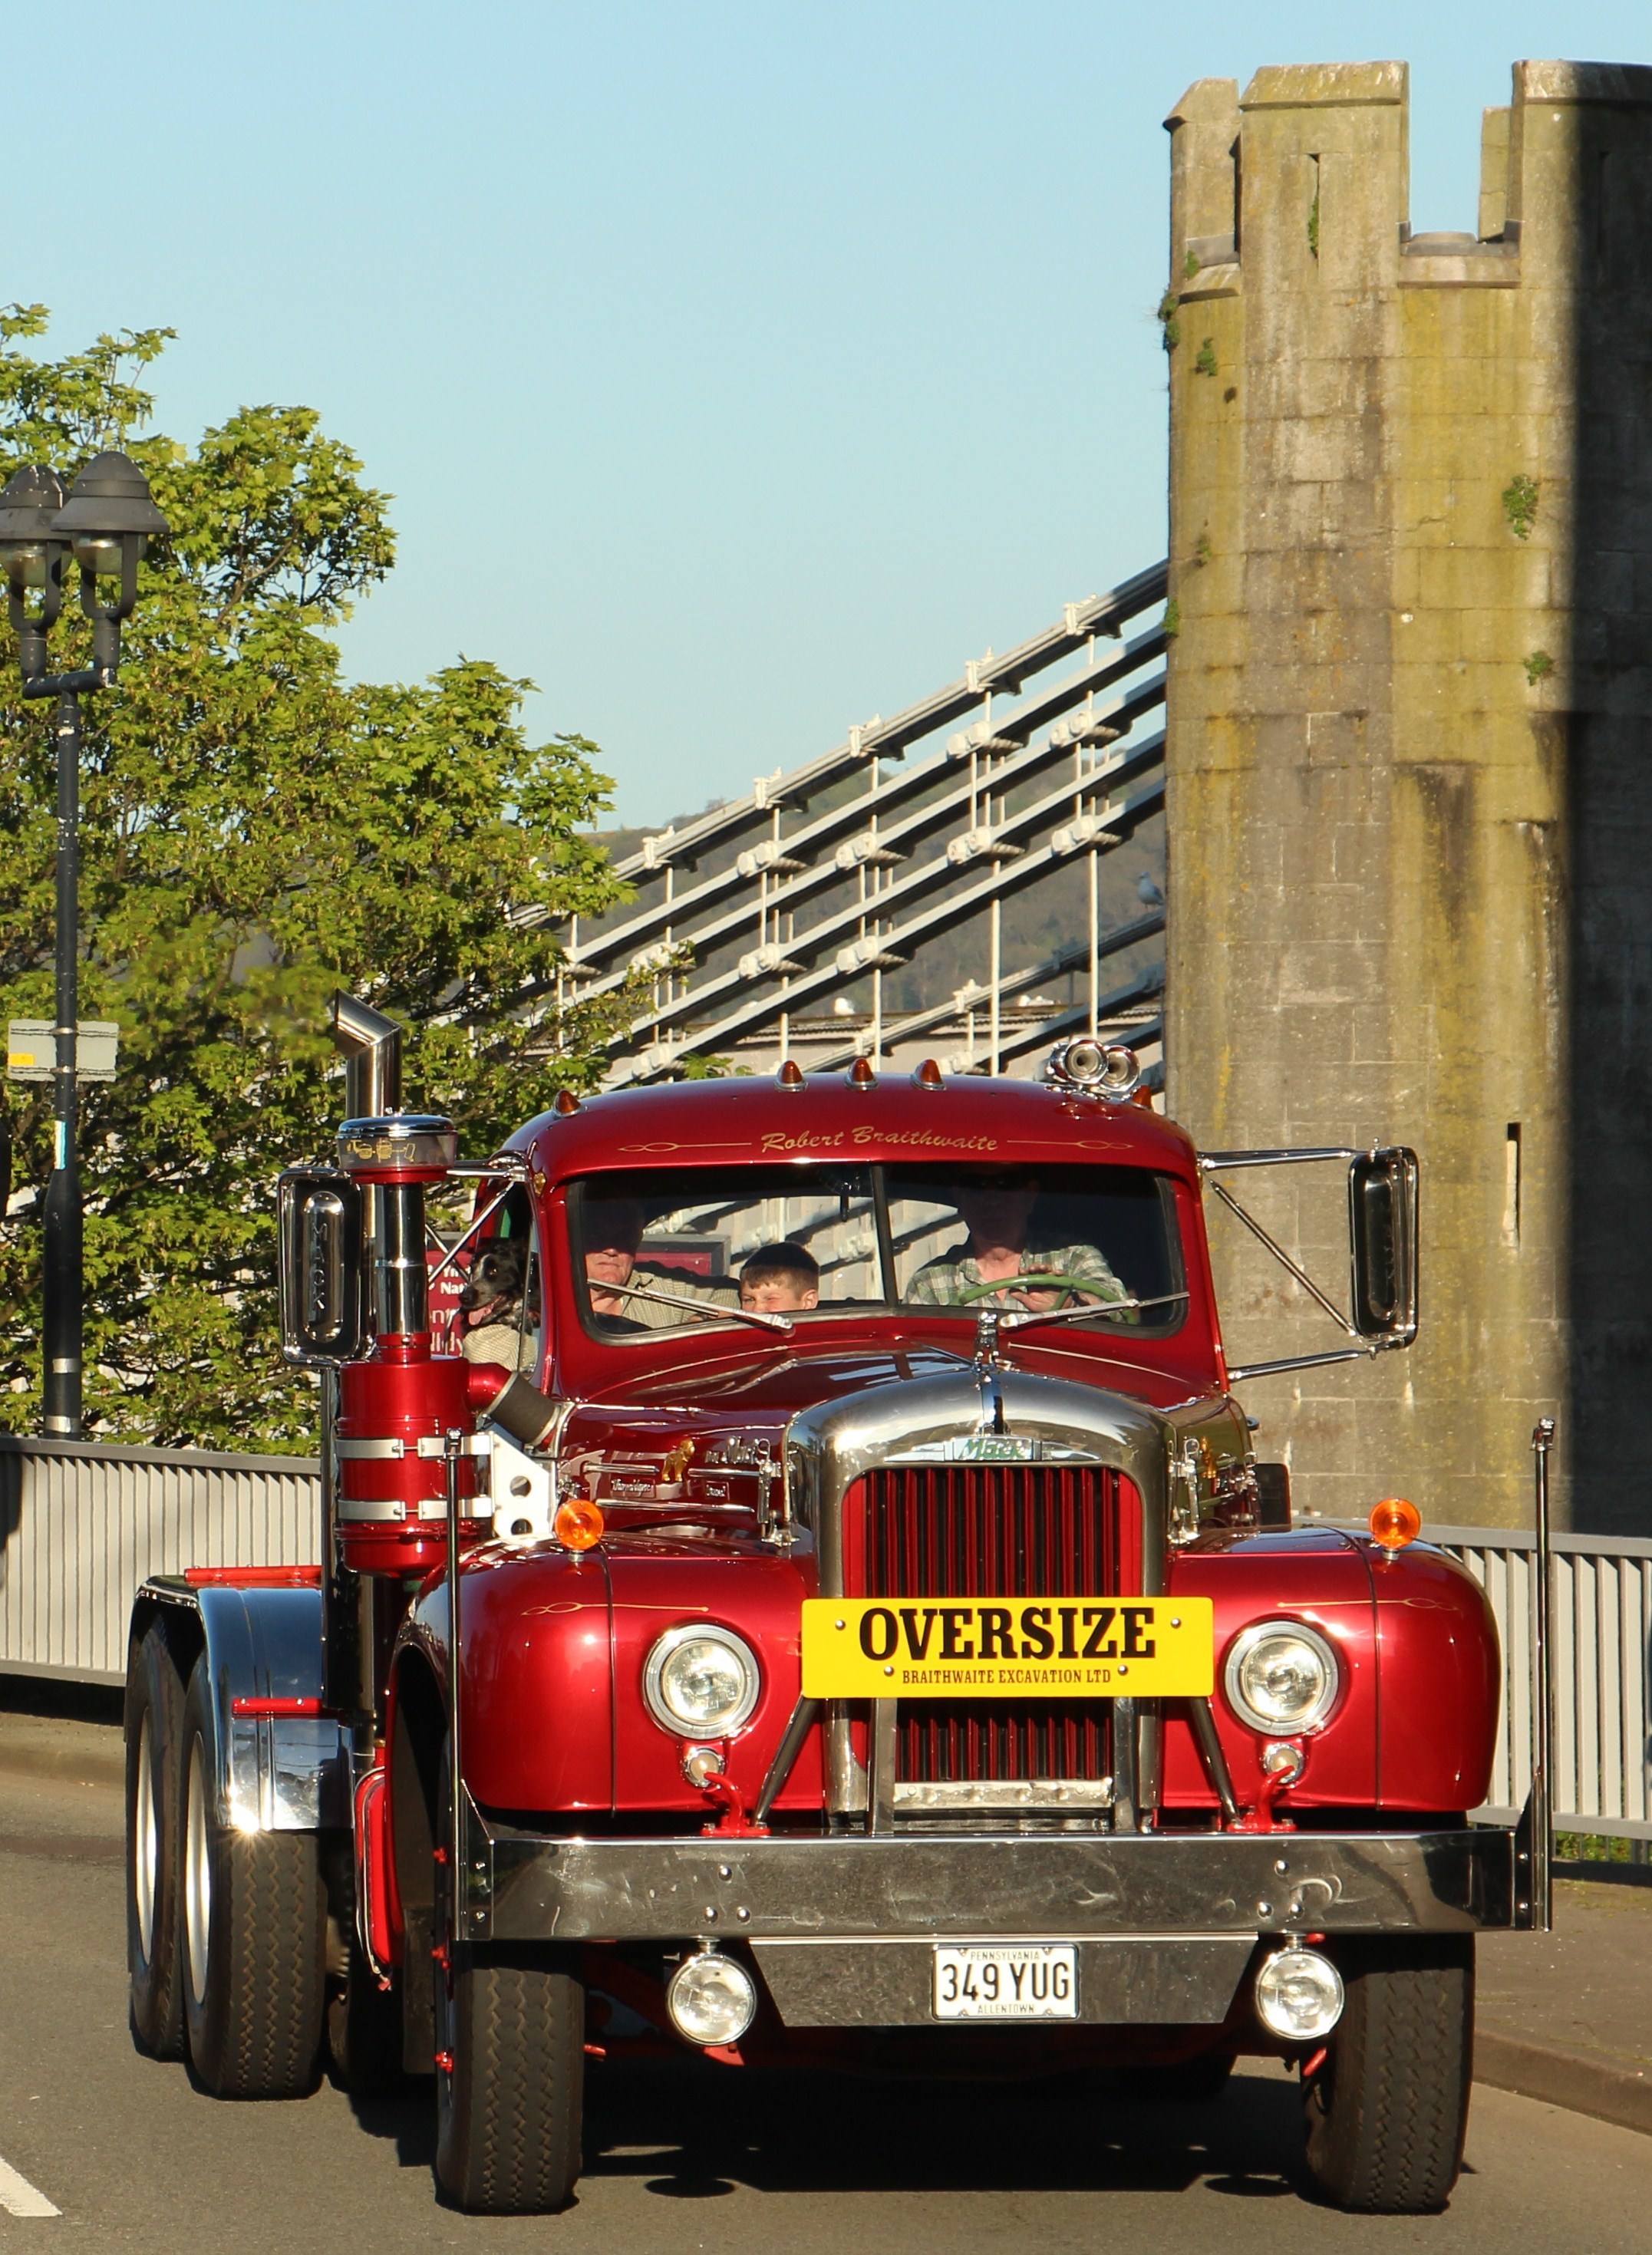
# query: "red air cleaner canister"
[392,1497]
[397,1407]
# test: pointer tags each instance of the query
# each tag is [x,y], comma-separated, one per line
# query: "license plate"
[1011,1981]
[1039,1648]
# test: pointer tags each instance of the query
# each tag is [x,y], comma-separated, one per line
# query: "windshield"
[659,1248]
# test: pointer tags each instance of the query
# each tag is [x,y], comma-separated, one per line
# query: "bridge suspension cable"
[762,916]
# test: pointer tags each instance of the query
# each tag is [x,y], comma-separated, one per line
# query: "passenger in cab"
[780,1280]
[997,1212]
[636,1294]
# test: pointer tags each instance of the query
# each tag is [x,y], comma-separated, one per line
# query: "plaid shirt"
[943,1281]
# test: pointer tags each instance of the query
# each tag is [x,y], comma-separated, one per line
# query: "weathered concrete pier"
[1408,756]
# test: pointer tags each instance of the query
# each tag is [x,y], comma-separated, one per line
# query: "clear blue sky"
[739,370]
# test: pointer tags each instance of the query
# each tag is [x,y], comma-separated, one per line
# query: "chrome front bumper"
[523,1887]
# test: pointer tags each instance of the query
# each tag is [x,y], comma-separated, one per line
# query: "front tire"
[252,1939]
[154,1729]
[510,2087]
[1388,2112]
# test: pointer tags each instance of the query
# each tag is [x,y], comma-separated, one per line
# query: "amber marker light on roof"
[929,1075]
[790,1074]
[567,1101]
[578,1525]
[862,1073]
[1394,1523]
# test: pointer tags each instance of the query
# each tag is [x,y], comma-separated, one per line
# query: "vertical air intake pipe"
[372,1047]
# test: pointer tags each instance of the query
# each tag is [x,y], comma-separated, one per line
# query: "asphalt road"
[699,2159]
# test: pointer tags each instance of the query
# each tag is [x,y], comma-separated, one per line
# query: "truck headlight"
[1282,1677]
[702,1682]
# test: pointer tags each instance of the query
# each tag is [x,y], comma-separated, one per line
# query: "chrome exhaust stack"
[372,1047]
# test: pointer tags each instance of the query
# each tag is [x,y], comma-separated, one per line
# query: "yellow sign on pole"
[1009,1647]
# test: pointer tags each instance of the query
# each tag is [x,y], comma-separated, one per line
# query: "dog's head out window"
[500,1304]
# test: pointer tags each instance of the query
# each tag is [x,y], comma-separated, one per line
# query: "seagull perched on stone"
[1148,891]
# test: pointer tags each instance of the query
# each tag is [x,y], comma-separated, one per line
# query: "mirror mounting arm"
[1382,1247]
[1284,1259]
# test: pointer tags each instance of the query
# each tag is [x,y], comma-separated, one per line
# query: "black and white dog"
[491,1303]
[493,1290]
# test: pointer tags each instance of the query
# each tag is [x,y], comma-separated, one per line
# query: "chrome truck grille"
[972,1530]
[1072,1493]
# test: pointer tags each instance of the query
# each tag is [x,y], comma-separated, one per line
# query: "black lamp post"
[103,527]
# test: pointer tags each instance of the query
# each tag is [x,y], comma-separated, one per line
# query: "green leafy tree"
[256,832]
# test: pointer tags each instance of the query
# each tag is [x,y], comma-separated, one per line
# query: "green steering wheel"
[1037,1280]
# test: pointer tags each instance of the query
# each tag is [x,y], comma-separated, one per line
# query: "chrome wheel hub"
[146,1839]
[197,1875]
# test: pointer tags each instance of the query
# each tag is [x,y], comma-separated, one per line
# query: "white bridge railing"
[1600,1624]
[81,1524]
[765,917]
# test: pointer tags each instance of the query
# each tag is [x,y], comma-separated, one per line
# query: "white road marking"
[20,2197]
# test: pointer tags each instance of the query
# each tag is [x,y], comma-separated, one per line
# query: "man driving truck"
[996,1209]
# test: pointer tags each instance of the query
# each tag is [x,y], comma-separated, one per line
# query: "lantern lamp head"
[107,520]
[29,545]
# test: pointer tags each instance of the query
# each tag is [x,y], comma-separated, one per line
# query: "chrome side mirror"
[320,1212]
[1382,1234]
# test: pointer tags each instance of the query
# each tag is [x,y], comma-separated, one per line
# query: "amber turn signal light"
[578,1525]
[1394,1523]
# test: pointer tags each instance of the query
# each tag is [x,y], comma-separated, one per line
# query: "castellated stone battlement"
[1338,135]
[1408,747]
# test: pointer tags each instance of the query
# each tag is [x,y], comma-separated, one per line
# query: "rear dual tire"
[251,1935]
[153,1728]
[1387,2114]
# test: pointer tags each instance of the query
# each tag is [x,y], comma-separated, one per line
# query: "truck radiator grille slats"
[945,1741]
[991,1531]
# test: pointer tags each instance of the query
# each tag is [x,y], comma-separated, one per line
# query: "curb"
[1581,2083]
[92,1765]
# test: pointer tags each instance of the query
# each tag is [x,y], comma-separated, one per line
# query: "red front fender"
[537,1721]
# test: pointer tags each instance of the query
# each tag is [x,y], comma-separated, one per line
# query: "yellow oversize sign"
[1011,1647]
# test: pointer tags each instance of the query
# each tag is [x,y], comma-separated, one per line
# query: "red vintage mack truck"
[839,1621]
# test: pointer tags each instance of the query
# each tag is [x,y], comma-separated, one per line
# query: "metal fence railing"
[1600,1622]
[81,1524]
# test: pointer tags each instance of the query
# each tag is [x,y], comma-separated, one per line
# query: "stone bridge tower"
[1410,757]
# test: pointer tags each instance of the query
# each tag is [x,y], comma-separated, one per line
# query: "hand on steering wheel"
[1032,1280]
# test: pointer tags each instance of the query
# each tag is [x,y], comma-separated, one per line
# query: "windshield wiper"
[714,1314]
